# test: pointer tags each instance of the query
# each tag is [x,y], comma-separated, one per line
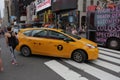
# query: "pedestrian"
[68,28]
[74,31]
[1,65]
[110,4]
[10,41]
[98,7]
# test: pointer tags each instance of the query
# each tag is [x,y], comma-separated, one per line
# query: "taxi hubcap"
[25,51]
[77,56]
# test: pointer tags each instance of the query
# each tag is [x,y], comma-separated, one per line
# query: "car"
[15,29]
[56,43]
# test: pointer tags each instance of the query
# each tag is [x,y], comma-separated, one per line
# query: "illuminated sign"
[42,4]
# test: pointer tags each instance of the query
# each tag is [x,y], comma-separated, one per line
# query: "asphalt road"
[28,68]
[107,67]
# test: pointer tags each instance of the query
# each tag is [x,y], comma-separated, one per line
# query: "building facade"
[6,13]
[60,11]
[24,11]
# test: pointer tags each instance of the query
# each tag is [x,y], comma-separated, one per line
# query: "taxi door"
[37,45]
[26,39]
[57,47]
[39,41]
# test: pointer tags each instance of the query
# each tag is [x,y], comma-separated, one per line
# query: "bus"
[103,27]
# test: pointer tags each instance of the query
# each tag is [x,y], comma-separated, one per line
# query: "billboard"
[58,5]
[42,4]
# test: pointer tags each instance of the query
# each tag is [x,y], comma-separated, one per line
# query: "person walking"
[10,36]
[74,31]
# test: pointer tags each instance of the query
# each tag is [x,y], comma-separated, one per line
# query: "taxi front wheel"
[79,56]
[25,51]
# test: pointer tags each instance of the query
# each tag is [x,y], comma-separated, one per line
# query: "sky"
[2,7]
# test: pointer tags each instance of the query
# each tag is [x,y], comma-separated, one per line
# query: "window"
[27,33]
[39,33]
[56,35]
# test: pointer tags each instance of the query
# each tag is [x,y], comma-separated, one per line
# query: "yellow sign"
[66,14]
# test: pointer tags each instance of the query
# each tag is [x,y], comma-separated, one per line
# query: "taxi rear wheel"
[25,51]
[79,56]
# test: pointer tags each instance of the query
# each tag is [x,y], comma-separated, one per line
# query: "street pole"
[16,11]
[8,14]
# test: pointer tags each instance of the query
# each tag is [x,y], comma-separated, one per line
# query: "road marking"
[109,58]
[64,71]
[109,53]
[107,65]
[109,50]
[102,75]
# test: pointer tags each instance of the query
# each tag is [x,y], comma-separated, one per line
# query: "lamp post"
[8,14]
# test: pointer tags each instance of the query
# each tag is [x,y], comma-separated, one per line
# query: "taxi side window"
[27,33]
[39,33]
[56,35]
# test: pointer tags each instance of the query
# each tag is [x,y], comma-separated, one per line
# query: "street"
[107,67]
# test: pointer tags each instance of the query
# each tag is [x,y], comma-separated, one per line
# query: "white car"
[15,29]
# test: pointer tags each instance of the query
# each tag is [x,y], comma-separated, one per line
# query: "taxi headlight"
[90,46]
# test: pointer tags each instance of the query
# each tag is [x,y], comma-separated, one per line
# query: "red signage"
[42,4]
[91,8]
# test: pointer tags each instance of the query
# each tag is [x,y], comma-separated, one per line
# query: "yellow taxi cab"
[56,43]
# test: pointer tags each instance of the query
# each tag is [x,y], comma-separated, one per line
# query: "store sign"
[42,4]
[58,5]
[66,14]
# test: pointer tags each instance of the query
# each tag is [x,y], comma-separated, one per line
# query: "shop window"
[83,20]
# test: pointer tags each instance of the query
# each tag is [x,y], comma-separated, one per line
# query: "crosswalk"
[106,67]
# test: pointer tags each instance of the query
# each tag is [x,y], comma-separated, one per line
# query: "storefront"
[69,18]
[59,12]
[66,15]
[44,11]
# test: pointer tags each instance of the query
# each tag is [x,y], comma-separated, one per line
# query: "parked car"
[17,28]
[56,43]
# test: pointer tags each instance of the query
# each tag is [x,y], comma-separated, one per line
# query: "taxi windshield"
[70,34]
